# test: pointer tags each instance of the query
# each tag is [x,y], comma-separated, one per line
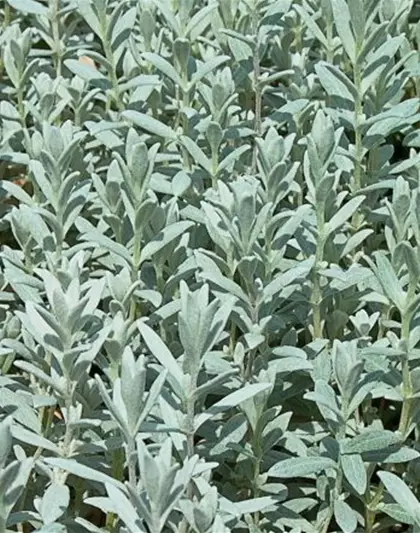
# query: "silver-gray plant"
[209,266]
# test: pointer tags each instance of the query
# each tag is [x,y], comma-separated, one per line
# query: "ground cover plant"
[210,263]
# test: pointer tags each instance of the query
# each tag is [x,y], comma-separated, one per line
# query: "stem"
[113,72]
[131,462]
[370,509]
[190,428]
[257,468]
[189,418]
[257,88]
[55,28]
[47,417]
[68,436]
[7,15]
[407,384]
[316,297]
[214,167]
[338,486]
[330,50]
[22,116]
[250,364]
[185,154]
[135,271]
[358,112]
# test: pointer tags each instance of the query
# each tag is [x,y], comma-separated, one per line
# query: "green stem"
[189,407]
[316,297]
[68,436]
[257,87]
[358,113]
[135,271]
[7,15]
[189,419]
[55,28]
[407,383]
[185,105]
[22,116]
[190,427]
[330,50]
[257,468]
[131,462]
[112,73]
[214,167]
[370,508]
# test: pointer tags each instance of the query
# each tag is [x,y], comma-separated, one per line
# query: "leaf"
[201,20]
[355,472]
[85,9]
[344,213]
[52,528]
[354,241]
[122,28]
[5,441]
[312,25]
[80,470]
[88,73]
[342,21]
[231,158]
[33,439]
[164,66]
[402,494]
[163,238]
[94,237]
[345,516]
[29,6]
[124,509]
[358,21]
[335,82]
[231,400]
[160,351]
[13,480]
[255,505]
[54,502]
[149,124]
[371,440]
[389,280]
[16,191]
[301,467]
[391,455]
[197,153]
[112,407]
[397,513]
[152,397]
[207,67]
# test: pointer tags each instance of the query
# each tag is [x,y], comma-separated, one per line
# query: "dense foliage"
[210,263]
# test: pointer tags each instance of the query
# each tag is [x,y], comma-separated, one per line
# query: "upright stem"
[7,15]
[113,71]
[68,436]
[316,297]
[185,105]
[22,116]
[190,424]
[135,270]
[407,384]
[55,28]
[330,50]
[370,509]
[358,112]
[189,416]
[131,462]
[257,87]
[257,468]
[214,167]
